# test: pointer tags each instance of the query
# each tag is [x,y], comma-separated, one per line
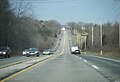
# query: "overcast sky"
[75,10]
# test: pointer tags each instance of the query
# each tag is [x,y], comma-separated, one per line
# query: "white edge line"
[106,58]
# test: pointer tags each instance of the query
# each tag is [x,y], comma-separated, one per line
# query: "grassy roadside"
[114,54]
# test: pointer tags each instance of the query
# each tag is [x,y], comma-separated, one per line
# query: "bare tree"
[5,14]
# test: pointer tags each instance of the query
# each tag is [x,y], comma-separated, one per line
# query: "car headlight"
[27,52]
[24,52]
[36,52]
[4,52]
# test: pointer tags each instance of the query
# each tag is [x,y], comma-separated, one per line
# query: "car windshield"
[33,49]
[26,50]
[3,48]
[46,50]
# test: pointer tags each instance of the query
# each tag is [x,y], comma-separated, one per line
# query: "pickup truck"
[75,50]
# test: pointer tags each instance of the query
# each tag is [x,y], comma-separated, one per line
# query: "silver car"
[46,52]
[32,52]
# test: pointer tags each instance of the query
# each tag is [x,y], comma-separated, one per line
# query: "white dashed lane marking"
[85,60]
[95,67]
[91,65]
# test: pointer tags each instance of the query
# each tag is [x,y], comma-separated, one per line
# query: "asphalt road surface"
[109,68]
[64,67]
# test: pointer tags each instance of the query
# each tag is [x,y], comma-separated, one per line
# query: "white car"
[24,52]
[46,52]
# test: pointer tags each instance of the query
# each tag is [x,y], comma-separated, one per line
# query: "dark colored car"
[32,52]
[5,51]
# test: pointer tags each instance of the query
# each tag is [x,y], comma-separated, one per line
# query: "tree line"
[110,35]
[19,29]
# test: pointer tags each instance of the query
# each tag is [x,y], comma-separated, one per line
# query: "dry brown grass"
[115,53]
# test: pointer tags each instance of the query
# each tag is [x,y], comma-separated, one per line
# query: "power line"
[117,16]
[109,8]
[115,12]
[112,11]
[46,1]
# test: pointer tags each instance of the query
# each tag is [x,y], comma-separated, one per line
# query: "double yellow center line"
[26,69]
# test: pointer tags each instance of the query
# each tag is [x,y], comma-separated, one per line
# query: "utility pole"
[92,38]
[119,33]
[119,24]
[77,35]
[119,28]
[85,42]
[101,37]
[81,41]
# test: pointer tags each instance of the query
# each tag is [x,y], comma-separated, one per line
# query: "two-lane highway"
[63,67]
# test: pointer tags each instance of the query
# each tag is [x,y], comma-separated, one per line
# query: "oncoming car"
[24,52]
[32,52]
[5,51]
[46,52]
